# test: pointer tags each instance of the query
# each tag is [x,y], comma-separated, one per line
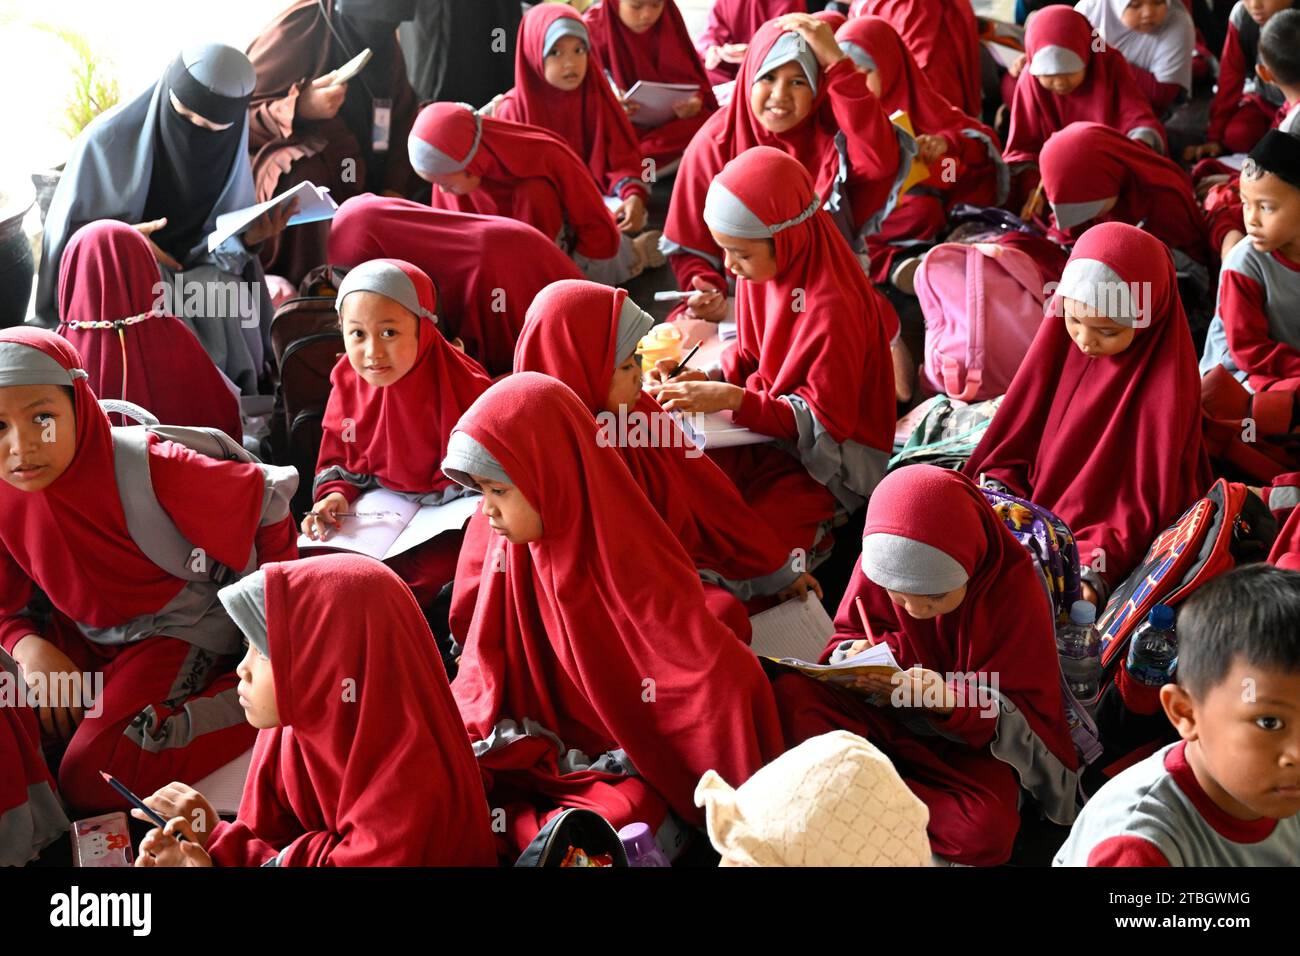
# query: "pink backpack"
[983,304]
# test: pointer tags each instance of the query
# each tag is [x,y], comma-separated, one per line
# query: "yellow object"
[919,172]
[664,341]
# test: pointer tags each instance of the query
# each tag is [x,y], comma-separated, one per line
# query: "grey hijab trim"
[725,213]
[633,323]
[429,160]
[912,567]
[466,456]
[790,48]
[23,365]
[1051,60]
[245,602]
[1097,285]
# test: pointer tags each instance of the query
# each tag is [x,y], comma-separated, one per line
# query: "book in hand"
[717,430]
[656,101]
[388,524]
[919,172]
[794,628]
[351,68]
[314,204]
[876,661]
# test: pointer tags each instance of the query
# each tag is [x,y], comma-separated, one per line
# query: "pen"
[139,804]
[682,364]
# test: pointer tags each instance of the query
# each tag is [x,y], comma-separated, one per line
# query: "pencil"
[139,804]
[682,364]
[862,612]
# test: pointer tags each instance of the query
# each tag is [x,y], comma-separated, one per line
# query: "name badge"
[383,121]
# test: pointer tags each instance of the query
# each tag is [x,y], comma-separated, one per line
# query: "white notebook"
[793,629]
[314,204]
[656,101]
[389,524]
[718,430]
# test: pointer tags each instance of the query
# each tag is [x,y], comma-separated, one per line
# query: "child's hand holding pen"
[161,848]
[325,516]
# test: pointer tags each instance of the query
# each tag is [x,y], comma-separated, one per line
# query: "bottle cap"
[637,838]
[1083,612]
[1162,617]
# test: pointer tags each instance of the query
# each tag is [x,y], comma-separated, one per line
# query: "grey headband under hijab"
[1051,60]
[1070,214]
[387,280]
[790,48]
[245,602]
[564,27]
[725,213]
[912,567]
[633,323]
[24,365]
[466,456]
[1100,287]
[429,160]
[860,56]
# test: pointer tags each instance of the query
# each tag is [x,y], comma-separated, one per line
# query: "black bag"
[584,829]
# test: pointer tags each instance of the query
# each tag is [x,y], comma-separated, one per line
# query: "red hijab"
[1108,95]
[77,522]
[904,84]
[570,630]
[663,53]
[108,273]
[401,430]
[590,119]
[943,37]
[1111,445]
[570,335]
[507,155]
[731,131]
[486,268]
[1286,548]
[1003,628]
[1086,163]
[834,353]
[384,777]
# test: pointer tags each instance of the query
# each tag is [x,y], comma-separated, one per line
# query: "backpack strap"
[149,526]
[975,321]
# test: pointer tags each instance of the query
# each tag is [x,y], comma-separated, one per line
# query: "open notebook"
[389,524]
[718,430]
[795,634]
[314,204]
[656,101]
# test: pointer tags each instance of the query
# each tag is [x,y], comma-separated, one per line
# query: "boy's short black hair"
[1252,613]
[1279,46]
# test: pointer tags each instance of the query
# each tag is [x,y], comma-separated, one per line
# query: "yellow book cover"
[919,172]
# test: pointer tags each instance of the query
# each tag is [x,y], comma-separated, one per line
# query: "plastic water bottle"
[1153,651]
[642,850]
[1079,646]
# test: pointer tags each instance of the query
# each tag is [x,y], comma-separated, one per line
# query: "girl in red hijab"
[161,641]
[647,40]
[964,155]
[798,93]
[592,676]
[378,774]
[977,712]
[732,24]
[586,336]
[394,398]
[943,37]
[560,85]
[486,269]
[1102,424]
[1091,173]
[108,276]
[499,168]
[1065,80]
[811,365]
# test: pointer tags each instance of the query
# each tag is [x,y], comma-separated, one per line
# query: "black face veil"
[191,163]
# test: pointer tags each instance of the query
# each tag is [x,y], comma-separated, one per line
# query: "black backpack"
[584,829]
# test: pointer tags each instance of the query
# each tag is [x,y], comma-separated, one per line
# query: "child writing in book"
[799,93]
[485,269]
[1092,173]
[1245,101]
[963,155]
[395,396]
[586,336]
[376,774]
[1252,353]
[978,713]
[133,582]
[811,364]
[1101,424]
[560,85]
[497,167]
[109,276]
[1157,38]
[1227,793]
[646,40]
[1065,80]
[591,651]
